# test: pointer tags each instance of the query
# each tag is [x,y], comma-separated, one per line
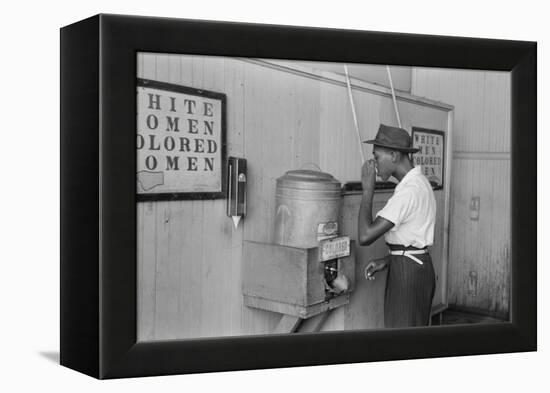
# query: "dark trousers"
[409,291]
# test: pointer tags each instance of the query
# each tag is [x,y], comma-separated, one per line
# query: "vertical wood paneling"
[216,263]
[482,105]
[366,307]
[147,246]
[167,273]
[282,122]
[185,238]
[480,249]
[189,254]
[437,250]
[479,266]
[146,260]
[340,148]
[234,88]
[282,134]
[305,112]
[190,232]
[167,267]
[190,289]
[259,179]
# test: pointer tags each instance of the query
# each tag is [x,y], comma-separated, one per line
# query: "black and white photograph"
[356,196]
[274,196]
[330,197]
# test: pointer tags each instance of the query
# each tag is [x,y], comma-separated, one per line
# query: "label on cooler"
[327,230]
[334,248]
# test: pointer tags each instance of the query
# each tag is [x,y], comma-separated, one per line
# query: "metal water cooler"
[308,268]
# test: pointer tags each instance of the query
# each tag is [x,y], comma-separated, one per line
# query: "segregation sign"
[431,156]
[180,140]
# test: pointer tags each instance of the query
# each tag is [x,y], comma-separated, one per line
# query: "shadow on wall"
[52,356]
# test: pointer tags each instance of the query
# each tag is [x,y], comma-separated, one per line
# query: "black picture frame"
[98,199]
[189,195]
[442,135]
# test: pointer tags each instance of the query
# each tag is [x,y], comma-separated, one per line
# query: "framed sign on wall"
[431,156]
[180,142]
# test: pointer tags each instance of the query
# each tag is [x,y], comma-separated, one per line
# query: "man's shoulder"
[411,187]
[419,182]
[414,191]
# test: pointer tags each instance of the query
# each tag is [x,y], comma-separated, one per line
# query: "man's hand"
[368,176]
[375,266]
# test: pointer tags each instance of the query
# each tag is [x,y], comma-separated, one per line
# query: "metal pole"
[393,96]
[354,115]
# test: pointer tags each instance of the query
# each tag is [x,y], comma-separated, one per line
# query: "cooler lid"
[309,178]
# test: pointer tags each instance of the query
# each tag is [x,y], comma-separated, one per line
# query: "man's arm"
[369,230]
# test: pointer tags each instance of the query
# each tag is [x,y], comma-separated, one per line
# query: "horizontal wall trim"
[481,155]
[356,84]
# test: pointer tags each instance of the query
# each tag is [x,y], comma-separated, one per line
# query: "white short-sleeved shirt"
[411,209]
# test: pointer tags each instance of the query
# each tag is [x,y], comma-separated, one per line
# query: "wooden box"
[290,280]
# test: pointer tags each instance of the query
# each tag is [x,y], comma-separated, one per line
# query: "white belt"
[410,254]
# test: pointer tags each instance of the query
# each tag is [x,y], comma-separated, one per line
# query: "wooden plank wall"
[479,256]
[189,254]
